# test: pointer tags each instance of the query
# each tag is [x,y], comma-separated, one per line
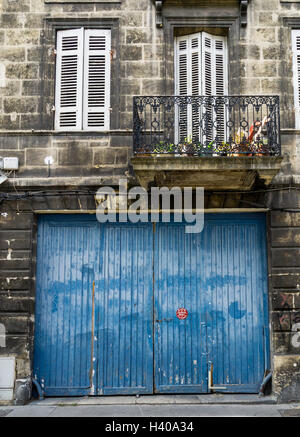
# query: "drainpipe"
[38,389]
[264,383]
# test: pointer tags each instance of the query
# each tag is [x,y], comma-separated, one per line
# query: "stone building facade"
[260,56]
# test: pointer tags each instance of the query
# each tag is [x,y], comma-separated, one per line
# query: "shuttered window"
[201,69]
[296,74]
[69,76]
[82,98]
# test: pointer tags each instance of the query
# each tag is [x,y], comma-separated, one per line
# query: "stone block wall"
[83,158]
[27,60]
[27,71]
[261,63]
[284,258]
[18,225]
[266,54]
[17,272]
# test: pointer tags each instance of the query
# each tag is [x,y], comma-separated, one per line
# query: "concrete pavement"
[216,405]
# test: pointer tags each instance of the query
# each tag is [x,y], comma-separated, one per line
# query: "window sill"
[290,131]
[66,133]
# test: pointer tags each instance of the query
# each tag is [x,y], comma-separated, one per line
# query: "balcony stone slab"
[212,173]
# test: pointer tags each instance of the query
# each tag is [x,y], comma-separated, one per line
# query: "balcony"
[218,142]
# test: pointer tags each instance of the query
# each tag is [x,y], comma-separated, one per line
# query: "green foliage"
[163,147]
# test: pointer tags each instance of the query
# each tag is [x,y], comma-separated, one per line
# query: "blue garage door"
[94,305]
[124,311]
[66,259]
[107,305]
[219,277]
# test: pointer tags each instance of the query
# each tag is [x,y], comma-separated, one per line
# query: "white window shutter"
[187,82]
[201,69]
[207,65]
[182,85]
[215,82]
[214,65]
[195,64]
[96,92]
[181,66]
[195,112]
[221,66]
[221,85]
[188,65]
[296,74]
[68,93]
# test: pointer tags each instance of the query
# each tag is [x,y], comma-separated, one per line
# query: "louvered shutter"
[214,83]
[96,94]
[187,66]
[182,86]
[221,87]
[201,69]
[214,65]
[207,83]
[195,67]
[296,74]
[68,94]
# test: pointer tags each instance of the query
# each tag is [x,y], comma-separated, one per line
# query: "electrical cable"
[10,196]
[13,196]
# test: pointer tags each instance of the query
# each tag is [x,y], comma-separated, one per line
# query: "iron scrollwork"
[206,125]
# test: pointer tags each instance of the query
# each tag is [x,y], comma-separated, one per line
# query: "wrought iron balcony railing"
[206,126]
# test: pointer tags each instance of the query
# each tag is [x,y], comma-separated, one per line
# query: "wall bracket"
[243,12]
[158,7]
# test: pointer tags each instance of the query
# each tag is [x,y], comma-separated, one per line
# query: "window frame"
[229,25]
[296,76]
[195,44]
[201,35]
[48,68]
[82,53]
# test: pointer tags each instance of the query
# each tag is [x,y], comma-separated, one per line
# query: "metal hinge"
[211,385]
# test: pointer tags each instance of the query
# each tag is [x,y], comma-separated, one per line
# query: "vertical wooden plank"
[64,270]
[240,294]
[178,362]
[125,356]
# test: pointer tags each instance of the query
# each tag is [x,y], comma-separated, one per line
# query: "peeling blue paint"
[219,276]
[218,280]
[235,312]
[215,316]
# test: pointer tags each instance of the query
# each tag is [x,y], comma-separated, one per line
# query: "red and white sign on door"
[182,313]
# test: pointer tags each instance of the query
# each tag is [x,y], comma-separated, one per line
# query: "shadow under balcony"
[216,142]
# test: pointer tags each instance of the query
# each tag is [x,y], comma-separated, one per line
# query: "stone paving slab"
[98,411]
[5,412]
[31,411]
[191,410]
[211,411]
[158,400]
[293,412]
